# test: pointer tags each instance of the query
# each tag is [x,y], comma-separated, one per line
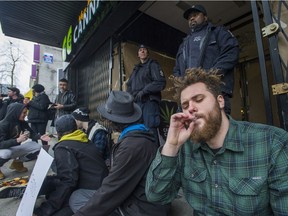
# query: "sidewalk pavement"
[9,206]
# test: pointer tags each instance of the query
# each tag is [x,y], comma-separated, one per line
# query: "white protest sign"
[35,182]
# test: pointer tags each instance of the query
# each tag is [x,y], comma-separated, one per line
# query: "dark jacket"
[5,103]
[67,99]
[148,78]
[11,127]
[79,165]
[38,112]
[125,184]
[222,53]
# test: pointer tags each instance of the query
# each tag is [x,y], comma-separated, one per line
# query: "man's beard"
[210,128]
[197,27]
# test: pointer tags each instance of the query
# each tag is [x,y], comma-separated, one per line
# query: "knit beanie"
[38,88]
[81,114]
[65,123]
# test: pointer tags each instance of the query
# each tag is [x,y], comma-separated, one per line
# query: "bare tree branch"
[11,58]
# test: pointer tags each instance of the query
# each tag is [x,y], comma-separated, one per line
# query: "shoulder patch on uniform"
[161,73]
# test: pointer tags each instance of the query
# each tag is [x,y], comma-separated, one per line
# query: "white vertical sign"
[35,182]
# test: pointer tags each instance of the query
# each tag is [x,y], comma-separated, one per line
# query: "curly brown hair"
[196,75]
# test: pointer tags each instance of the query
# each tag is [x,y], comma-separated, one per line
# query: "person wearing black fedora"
[208,47]
[123,191]
[14,96]
[146,82]
[38,110]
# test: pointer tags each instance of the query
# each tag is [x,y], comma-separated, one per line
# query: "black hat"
[120,108]
[38,88]
[14,89]
[142,46]
[81,114]
[65,123]
[198,8]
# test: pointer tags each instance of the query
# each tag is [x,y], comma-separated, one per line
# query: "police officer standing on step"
[209,47]
[145,84]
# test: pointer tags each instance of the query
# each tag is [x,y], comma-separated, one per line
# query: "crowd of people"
[224,166]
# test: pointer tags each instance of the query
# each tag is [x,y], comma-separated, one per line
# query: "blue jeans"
[80,197]
[20,151]
[227,107]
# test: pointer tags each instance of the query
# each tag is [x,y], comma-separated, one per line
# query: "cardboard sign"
[36,179]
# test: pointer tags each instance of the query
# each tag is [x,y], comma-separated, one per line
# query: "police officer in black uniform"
[145,84]
[209,47]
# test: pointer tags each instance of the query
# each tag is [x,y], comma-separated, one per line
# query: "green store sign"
[76,33]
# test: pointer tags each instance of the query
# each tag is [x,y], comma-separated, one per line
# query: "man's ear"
[221,102]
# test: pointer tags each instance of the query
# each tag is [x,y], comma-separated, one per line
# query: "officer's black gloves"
[139,96]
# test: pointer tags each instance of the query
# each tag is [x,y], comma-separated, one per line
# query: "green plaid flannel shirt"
[248,176]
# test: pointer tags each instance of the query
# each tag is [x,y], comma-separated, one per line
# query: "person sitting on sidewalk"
[14,133]
[97,133]
[79,165]
[224,166]
[123,191]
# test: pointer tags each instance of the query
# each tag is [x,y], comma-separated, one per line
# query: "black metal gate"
[273,15]
[93,79]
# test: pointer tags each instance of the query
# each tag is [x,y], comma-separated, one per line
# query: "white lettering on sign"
[84,18]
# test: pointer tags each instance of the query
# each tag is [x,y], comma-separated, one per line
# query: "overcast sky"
[23,75]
